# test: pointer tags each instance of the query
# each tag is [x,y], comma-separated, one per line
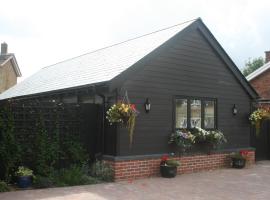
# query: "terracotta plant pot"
[168,171]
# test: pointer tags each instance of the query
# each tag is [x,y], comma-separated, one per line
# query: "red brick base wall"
[142,168]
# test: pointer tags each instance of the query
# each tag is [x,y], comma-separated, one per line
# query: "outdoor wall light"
[234,109]
[147,105]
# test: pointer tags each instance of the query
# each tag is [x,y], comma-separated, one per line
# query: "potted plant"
[24,177]
[239,159]
[183,139]
[208,140]
[168,167]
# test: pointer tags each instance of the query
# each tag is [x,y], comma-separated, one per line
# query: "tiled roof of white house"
[258,71]
[94,67]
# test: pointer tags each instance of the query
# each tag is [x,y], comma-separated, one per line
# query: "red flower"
[244,152]
[164,158]
[133,107]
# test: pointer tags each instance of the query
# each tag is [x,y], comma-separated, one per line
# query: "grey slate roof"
[99,66]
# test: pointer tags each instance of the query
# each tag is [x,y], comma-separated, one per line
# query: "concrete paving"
[224,184]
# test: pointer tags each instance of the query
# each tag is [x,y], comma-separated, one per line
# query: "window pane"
[209,114]
[195,113]
[181,113]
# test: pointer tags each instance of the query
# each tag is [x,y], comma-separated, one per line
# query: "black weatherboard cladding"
[187,65]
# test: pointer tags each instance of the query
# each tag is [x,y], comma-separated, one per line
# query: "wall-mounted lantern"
[234,109]
[147,105]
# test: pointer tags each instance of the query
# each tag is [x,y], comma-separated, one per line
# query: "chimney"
[267,56]
[4,48]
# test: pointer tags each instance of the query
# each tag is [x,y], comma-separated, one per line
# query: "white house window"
[181,113]
[195,112]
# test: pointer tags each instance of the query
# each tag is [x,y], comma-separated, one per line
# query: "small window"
[181,113]
[195,112]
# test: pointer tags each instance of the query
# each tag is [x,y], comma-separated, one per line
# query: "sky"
[44,32]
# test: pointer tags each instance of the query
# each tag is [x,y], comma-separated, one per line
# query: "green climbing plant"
[10,154]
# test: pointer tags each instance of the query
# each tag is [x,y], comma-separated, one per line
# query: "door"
[262,143]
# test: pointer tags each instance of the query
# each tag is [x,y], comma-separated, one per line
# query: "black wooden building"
[184,72]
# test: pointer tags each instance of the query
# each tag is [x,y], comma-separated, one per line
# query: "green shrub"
[24,171]
[75,175]
[73,151]
[42,182]
[10,154]
[45,150]
[49,152]
[4,187]
[102,171]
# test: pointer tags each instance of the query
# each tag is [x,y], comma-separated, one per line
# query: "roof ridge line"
[123,42]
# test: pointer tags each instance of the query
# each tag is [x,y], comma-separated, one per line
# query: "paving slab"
[224,184]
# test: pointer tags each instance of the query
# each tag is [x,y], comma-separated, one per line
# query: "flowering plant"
[125,114]
[257,116]
[240,155]
[167,161]
[213,137]
[182,138]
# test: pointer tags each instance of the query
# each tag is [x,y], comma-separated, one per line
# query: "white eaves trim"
[258,71]
[14,63]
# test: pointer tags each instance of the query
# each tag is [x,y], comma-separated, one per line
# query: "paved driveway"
[252,183]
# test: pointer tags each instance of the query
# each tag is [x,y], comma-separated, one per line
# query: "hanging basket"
[258,116]
[124,113]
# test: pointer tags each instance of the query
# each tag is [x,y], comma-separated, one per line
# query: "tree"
[252,65]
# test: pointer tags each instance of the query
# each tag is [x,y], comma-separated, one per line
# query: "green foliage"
[73,151]
[10,155]
[102,171]
[4,187]
[42,182]
[45,150]
[172,163]
[252,65]
[75,175]
[49,152]
[24,171]
[237,155]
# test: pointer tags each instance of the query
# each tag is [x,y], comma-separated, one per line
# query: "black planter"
[238,163]
[168,171]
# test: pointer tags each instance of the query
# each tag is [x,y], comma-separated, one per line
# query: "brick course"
[143,168]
